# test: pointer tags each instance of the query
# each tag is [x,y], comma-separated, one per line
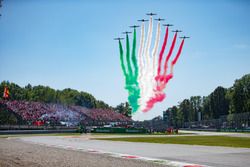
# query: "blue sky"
[65,44]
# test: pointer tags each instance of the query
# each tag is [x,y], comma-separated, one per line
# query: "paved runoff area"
[15,153]
[145,153]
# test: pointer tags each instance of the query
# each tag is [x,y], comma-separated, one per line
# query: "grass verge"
[190,140]
[142,134]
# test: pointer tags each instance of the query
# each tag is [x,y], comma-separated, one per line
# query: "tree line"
[66,96]
[48,95]
[222,101]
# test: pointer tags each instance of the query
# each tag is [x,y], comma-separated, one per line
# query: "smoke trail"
[169,54]
[141,64]
[128,57]
[146,79]
[148,66]
[162,52]
[156,46]
[152,72]
[141,47]
[170,76]
[135,91]
[178,53]
[131,78]
[160,95]
[149,39]
[131,83]
[145,92]
[140,58]
[134,61]
[121,59]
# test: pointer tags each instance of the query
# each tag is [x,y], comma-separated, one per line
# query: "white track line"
[124,156]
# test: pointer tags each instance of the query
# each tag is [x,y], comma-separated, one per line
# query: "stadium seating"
[56,113]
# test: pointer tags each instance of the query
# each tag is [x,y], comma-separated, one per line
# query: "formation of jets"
[167,25]
[118,39]
[126,32]
[134,26]
[184,37]
[177,31]
[151,14]
[143,20]
[160,19]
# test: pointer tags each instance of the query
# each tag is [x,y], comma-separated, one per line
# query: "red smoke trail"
[161,84]
[162,52]
[159,96]
[178,53]
[169,54]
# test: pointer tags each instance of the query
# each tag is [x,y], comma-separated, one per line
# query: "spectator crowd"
[57,113]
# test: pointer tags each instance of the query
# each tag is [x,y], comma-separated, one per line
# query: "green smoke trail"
[128,58]
[132,86]
[121,59]
[134,56]
[131,83]
[135,92]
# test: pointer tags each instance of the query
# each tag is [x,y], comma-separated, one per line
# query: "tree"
[101,104]
[229,97]
[7,117]
[48,95]
[219,103]
[206,109]
[196,106]
[16,92]
[41,94]
[172,116]
[124,108]
[241,95]
[185,108]
[180,118]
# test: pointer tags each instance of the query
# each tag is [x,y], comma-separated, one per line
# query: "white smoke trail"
[140,59]
[147,67]
[141,47]
[153,73]
[152,68]
[149,39]
[155,49]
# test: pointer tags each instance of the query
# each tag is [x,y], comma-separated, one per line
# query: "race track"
[204,155]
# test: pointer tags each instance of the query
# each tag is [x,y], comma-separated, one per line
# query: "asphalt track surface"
[204,155]
[15,153]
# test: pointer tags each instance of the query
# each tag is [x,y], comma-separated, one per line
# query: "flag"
[6,92]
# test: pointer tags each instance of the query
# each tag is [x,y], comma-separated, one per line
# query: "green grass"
[49,134]
[114,134]
[136,134]
[190,140]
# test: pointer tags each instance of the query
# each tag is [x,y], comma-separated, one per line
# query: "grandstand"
[37,113]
